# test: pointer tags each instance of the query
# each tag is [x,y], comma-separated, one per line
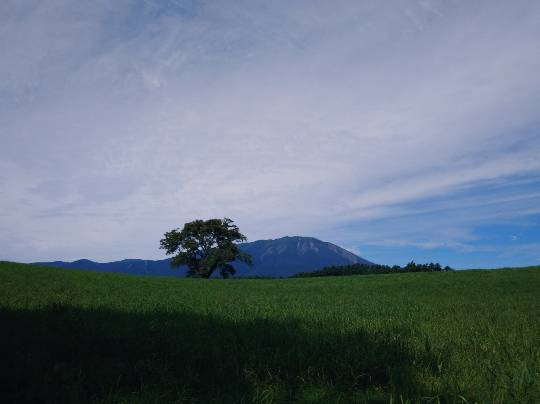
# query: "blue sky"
[400,129]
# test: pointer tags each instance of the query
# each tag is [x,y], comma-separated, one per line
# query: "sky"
[400,130]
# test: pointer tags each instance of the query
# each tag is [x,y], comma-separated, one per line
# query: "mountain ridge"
[279,257]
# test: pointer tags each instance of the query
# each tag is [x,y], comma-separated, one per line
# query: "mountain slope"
[289,255]
[280,257]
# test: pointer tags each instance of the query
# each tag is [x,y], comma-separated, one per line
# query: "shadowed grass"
[63,353]
[74,336]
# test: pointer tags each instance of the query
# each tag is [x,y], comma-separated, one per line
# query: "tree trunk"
[208,273]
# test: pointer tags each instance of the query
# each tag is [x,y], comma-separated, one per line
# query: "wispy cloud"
[120,120]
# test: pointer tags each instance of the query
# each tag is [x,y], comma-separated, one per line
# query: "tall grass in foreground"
[75,336]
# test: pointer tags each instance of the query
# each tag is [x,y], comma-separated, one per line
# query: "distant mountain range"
[281,257]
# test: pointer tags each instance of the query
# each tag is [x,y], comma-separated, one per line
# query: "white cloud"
[122,120]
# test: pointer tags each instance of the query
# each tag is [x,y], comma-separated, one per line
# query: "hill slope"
[285,256]
[81,336]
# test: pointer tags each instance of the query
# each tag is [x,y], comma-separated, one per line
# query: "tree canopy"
[372,269]
[205,246]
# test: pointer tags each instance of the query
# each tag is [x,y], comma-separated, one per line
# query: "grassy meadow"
[450,337]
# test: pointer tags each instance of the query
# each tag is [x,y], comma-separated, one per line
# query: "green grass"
[76,336]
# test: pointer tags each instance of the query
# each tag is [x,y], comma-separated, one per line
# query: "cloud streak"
[121,120]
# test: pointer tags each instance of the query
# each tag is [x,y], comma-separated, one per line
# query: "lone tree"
[206,245]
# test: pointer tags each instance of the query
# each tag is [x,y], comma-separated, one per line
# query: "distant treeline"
[367,269]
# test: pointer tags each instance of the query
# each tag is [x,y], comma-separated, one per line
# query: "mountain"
[283,257]
[287,256]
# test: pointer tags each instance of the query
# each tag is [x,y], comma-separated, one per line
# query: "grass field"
[76,336]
